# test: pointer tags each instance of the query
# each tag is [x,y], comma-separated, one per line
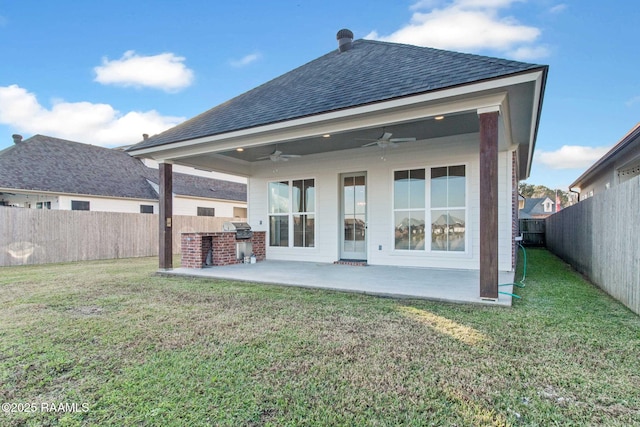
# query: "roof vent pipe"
[145,136]
[345,40]
[17,139]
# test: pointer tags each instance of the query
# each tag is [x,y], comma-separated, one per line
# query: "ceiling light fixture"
[439,117]
[240,149]
[326,135]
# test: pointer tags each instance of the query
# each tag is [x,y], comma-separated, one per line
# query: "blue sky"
[107,72]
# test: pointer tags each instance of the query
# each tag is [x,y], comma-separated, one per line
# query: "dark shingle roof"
[371,71]
[44,163]
[199,186]
[533,206]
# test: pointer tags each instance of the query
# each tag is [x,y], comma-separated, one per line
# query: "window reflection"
[296,209]
[409,209]
[448,200]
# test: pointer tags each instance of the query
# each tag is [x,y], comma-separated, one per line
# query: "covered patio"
[348,155]
[456,286]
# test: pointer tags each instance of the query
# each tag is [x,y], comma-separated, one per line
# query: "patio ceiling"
[454,124]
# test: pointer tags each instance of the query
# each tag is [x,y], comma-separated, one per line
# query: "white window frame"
[449,208]
[428,216]
[290,214]
[395,210]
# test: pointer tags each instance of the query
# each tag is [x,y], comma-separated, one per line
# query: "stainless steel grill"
[242,229]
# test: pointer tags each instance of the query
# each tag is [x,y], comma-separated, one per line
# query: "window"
[279,213]
[206,211]
[448,208]
[292,213]
[79,205]
[409,209]
[43,205]
[146,209]
[303,198]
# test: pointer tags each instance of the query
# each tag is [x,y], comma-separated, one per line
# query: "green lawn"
[137,349]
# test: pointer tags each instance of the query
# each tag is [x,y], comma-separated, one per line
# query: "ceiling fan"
[279,156]
[386,141]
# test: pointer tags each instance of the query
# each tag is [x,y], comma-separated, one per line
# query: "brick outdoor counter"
[195,247]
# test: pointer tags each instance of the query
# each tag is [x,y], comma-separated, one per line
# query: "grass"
[137,349]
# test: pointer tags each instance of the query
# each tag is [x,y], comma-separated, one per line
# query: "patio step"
[352,262]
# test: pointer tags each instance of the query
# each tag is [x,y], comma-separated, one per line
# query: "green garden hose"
[520,284]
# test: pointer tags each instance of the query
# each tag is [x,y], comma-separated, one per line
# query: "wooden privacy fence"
[37,236]
[600,237]
[533,232]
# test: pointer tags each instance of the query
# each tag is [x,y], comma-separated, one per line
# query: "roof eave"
[541,84]
[437,98]
[631,136]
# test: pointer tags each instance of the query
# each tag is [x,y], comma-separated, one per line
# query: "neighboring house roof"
[199,186]
[44,163]
[370,72]
[632,138]
[534,207]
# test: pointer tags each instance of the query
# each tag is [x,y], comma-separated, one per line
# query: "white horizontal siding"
[326,169]
[189,206]
[104,204]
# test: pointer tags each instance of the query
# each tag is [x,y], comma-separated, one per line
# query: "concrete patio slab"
[459,286]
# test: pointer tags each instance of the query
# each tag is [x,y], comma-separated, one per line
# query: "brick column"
[259,245]
[191,248]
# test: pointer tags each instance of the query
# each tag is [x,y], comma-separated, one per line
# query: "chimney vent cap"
[345,39]
[344,34]
[17,139]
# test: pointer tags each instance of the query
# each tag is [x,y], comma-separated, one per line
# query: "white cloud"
[98,124]
[165,71]
[529,53]
[468,25]
[425,4]
[558,8]
[571,156]
[246,60]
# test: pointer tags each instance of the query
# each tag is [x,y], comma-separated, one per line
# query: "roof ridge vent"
[345,40]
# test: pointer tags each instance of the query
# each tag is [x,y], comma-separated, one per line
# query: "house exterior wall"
[189,206]
[598,183]
[620,168]
[326,169]
[104,204]
[182,205]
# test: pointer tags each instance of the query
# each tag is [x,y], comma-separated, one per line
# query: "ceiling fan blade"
[386,136]
[402,139]
[289,156]
[370,144]
[275,156]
